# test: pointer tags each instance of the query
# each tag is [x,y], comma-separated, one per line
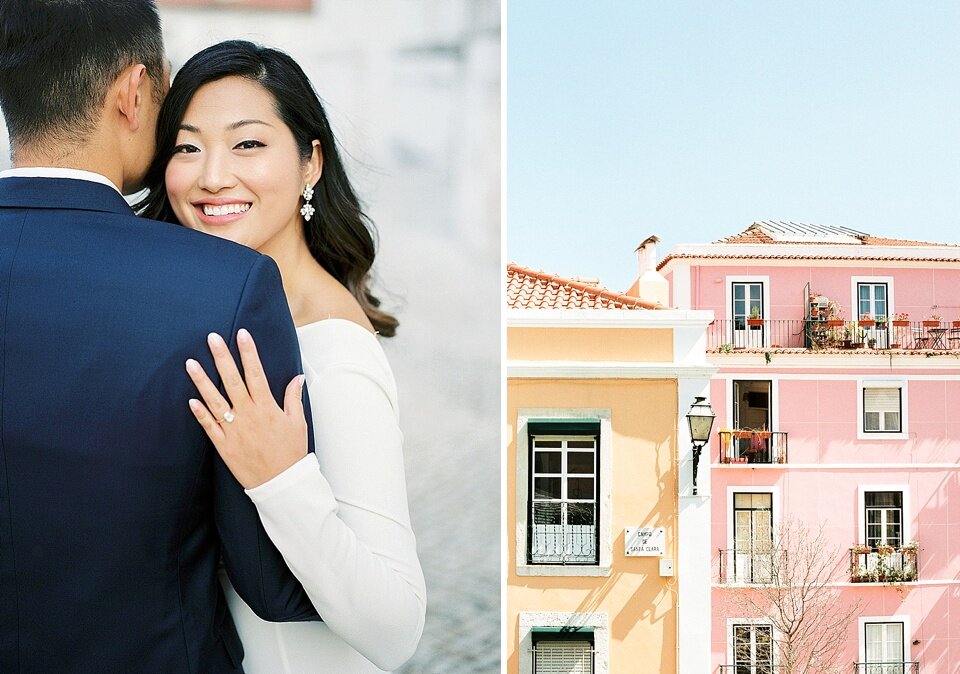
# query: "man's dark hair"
[59,57]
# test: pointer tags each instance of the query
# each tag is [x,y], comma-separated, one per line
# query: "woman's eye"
[185,148]
[248,145]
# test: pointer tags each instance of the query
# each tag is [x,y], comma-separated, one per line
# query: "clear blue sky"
[691,120]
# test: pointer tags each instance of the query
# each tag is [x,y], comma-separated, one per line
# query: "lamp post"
[700,419]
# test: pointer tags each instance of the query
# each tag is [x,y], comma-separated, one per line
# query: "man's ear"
[314,166]
[127,93]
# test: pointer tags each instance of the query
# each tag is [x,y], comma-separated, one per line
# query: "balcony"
[746,334]
[563,532]
[748,446]
[886,668]
[884,564]
[751,669]
[747,566]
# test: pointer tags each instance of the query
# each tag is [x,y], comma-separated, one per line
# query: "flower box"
[901,324]
[835,322]
[755,322]
[864,323]
[895,345]
[955,324]
[931,324]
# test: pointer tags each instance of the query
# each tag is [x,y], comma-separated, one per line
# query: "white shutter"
[881,399]
[563,657]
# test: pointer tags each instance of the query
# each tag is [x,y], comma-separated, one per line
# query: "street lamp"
[700,419]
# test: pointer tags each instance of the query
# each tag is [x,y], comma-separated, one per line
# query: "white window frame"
[901,384]
[904,489]
[855,296]
[775,516]
[751,621]
[530,620]
[861,630]
[728,310]
[604,492]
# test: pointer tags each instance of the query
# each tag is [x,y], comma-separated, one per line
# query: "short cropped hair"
[59,57]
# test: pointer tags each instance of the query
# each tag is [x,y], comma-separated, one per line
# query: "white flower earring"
[307,210]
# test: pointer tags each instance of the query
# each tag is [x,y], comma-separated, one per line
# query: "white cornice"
[529,369]
[841,361]
[817,250]
[608,318]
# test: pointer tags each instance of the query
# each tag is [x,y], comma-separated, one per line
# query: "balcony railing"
[751,669]
[747,566]
[886,668]
[745,446]
[884,565]
[748,333]
[563,532]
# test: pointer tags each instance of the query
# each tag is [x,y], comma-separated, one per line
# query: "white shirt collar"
[56,172]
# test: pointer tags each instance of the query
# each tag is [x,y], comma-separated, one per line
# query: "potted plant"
[834,315]
[885,550]
[933,320]
[755,321]
[901,319]
[881,322]
[866,320]
[871,343]
[955,323]
[861,549]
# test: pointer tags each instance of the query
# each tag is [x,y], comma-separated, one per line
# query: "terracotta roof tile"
[529,289]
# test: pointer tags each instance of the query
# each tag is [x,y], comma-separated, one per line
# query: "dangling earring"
[307,210]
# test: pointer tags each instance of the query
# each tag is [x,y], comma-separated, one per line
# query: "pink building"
[838,407]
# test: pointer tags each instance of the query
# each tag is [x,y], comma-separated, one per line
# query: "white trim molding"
[529,620]
[536,369]
[608,318]
[604,500]
[776,517]
[855,298]
[872,382]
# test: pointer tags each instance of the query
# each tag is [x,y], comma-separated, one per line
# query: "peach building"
[598,386]
[838,406]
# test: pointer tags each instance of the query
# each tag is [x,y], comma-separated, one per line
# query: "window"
[883,514]
[872,299]
[881,410]
[564,498]
[557,652]
[883,648]
[752,649]
[747,306]
[753,538]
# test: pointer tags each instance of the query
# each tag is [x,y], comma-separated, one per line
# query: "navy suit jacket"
[114,506]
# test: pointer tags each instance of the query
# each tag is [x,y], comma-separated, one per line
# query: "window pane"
[884,498]
[547,443]
[871,421]
[580,444]
[546,462]
[738,291]
[581,514]
[891,421]
[580,462]
[762,501]
[741,500]
[546,487]
[580,487]
[547,513]
[880,292]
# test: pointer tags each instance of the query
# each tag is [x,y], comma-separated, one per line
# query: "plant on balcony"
[861,549]
[754,320]
[933,318]
[884,550]
[912,545]
[866,320]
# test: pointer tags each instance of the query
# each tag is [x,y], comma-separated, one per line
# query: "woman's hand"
[256,439]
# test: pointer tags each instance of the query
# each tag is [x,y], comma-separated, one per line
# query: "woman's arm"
[340,517]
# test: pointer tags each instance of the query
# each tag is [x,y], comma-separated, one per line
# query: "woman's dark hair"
[339,236]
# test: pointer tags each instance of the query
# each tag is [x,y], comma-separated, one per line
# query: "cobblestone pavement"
[446,360]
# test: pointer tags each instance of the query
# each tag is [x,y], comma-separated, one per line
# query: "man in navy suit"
[114,507]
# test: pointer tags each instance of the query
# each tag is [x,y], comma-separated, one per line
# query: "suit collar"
[61,194]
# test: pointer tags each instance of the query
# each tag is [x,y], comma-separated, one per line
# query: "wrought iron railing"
[751,669]
[563,532]
[884,565]
[748,333]
[747,446]
[747,565]
[886,668]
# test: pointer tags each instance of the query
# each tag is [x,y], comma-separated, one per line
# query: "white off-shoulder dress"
[341,521]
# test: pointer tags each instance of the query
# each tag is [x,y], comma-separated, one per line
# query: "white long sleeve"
[340,517]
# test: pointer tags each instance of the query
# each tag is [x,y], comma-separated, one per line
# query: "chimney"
[647,255]
[650,285]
